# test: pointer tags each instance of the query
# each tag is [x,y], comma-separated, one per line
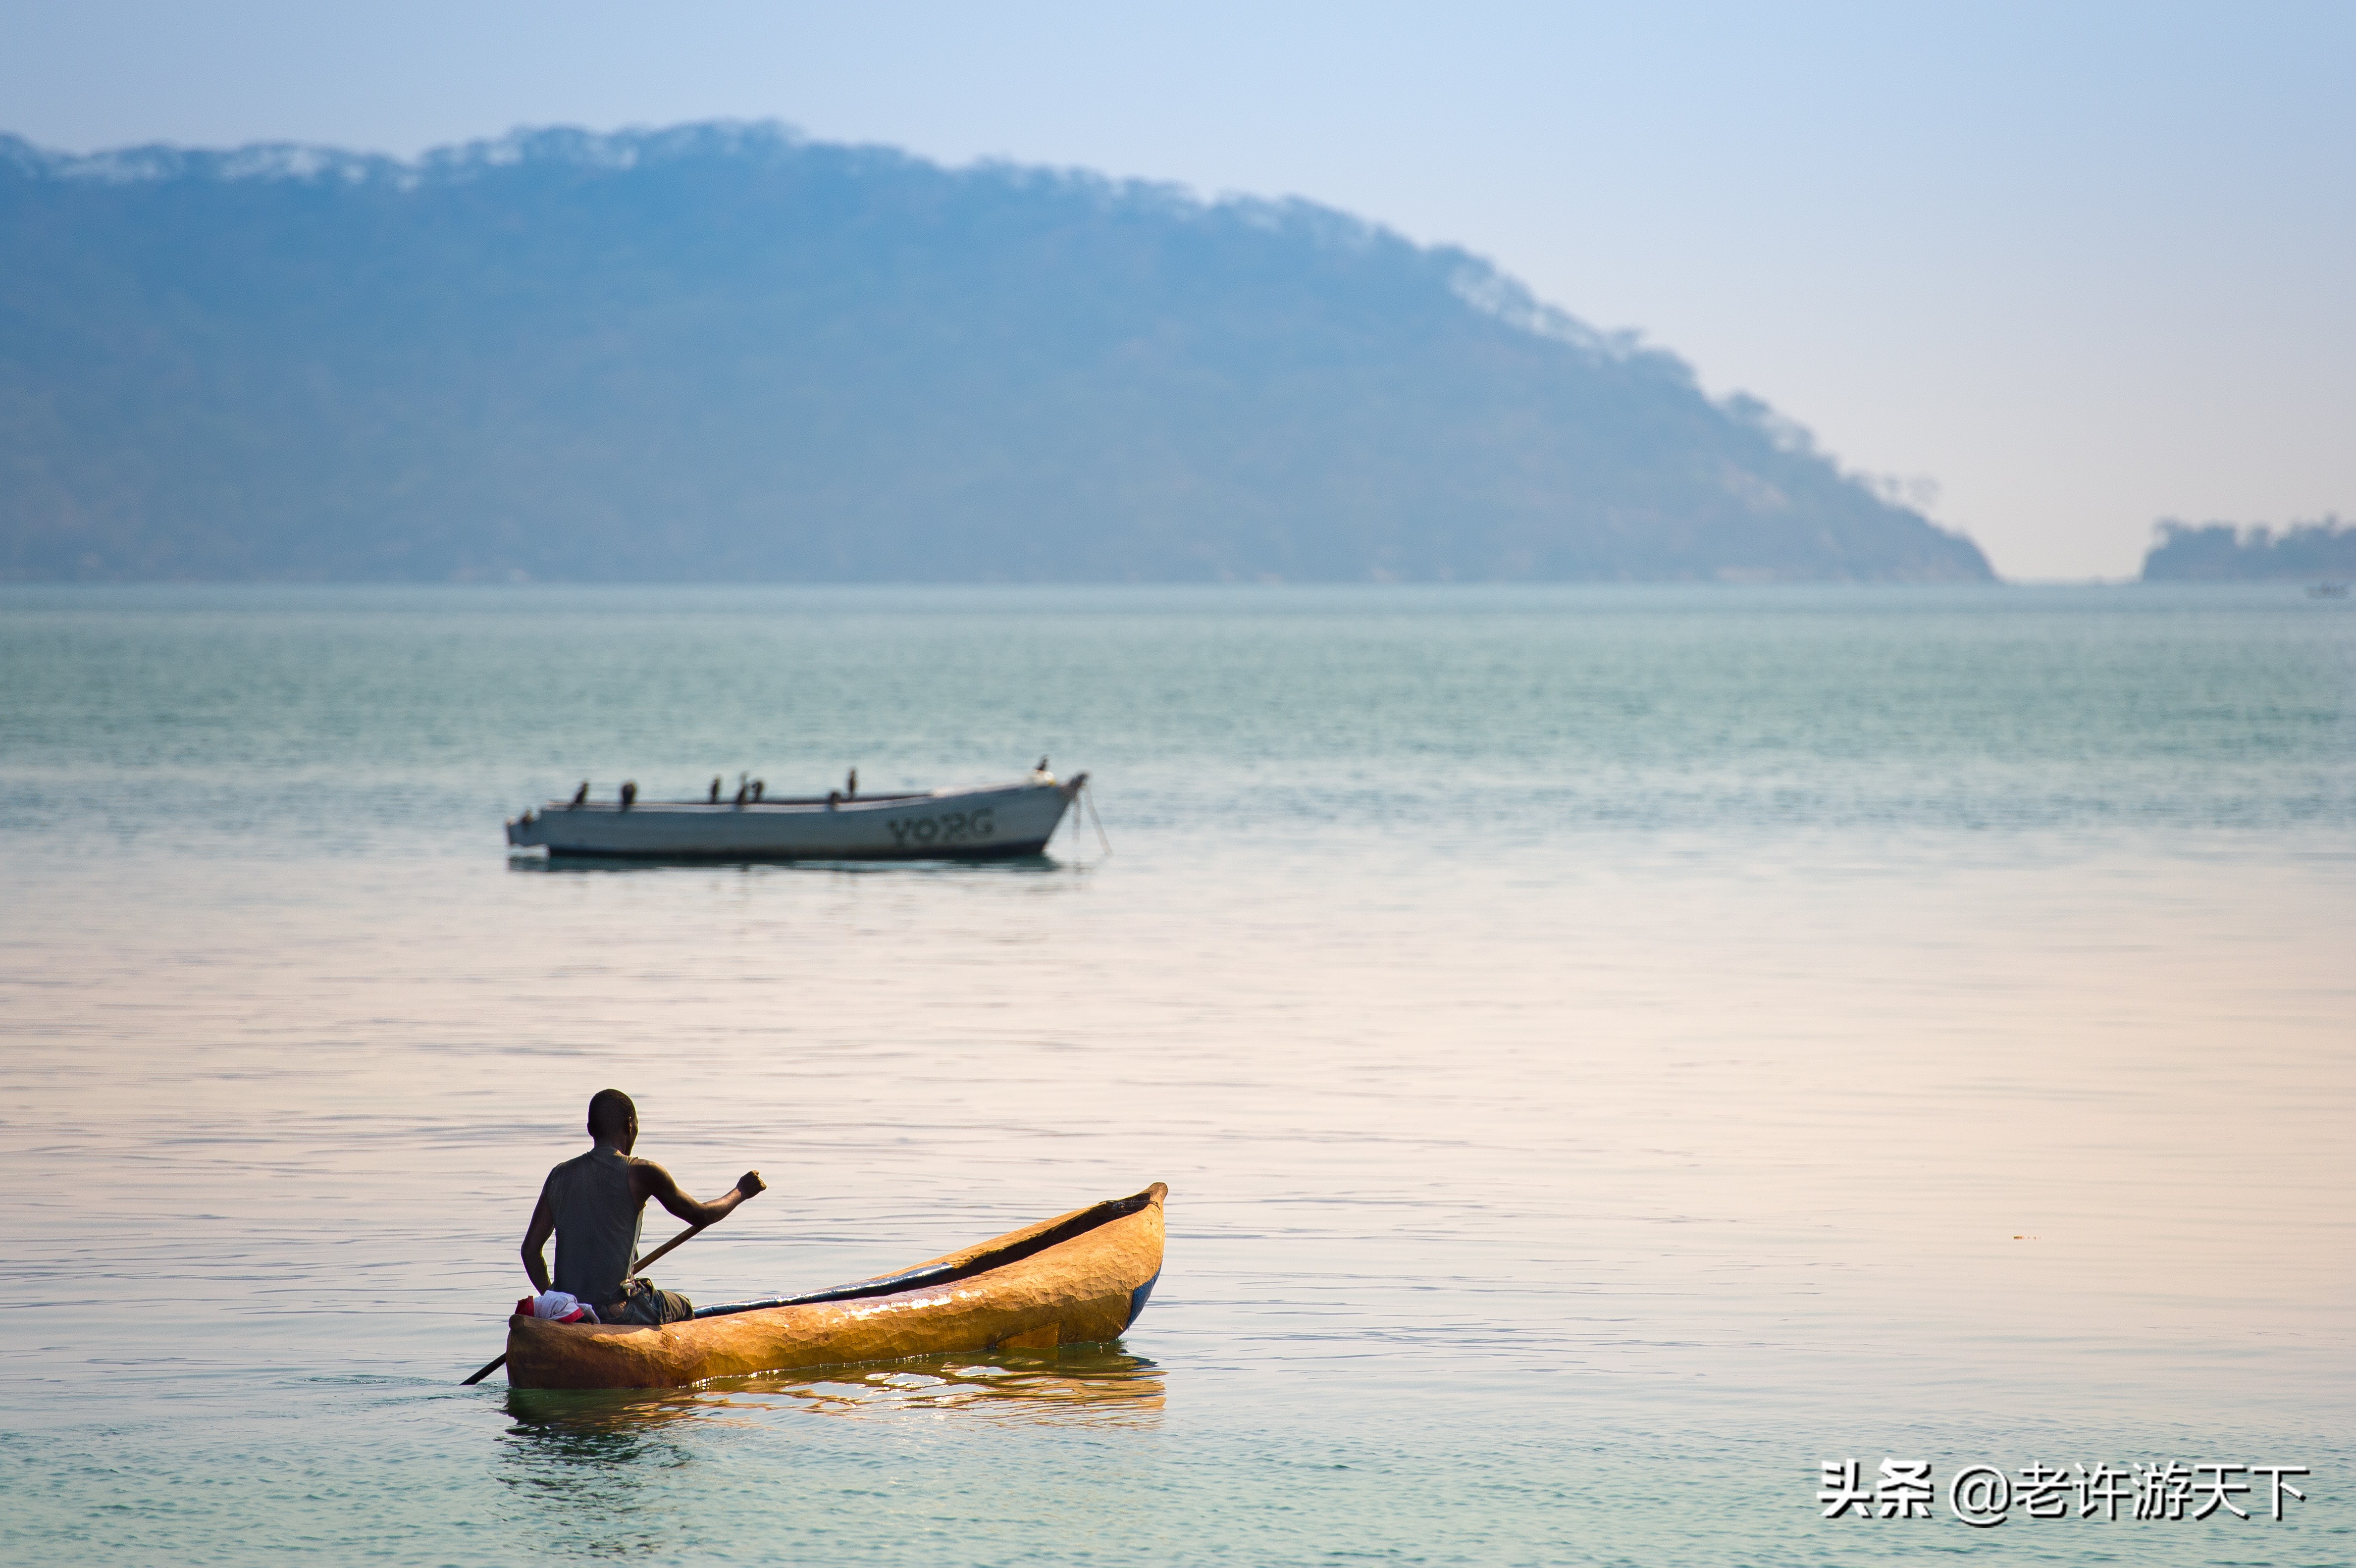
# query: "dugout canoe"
[1080,1278]
[978,821]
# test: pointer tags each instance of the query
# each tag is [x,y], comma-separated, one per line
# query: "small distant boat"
[2327,590]
[980,822]
[1079,1279]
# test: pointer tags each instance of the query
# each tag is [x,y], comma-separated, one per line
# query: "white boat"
[980,822]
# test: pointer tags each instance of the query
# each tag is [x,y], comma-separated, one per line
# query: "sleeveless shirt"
[596,1224]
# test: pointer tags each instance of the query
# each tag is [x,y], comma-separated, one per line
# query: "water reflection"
[1093,1386]
[598,1471]
[1033,865]
[1083,1386]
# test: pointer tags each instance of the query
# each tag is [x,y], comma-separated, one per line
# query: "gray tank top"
[596,1224]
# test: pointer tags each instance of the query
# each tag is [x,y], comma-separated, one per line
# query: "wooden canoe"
[1080,1278]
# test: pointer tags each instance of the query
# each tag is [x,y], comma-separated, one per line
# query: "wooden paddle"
[642,1263]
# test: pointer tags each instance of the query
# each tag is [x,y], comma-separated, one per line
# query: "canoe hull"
[1086,1290]
[980,822]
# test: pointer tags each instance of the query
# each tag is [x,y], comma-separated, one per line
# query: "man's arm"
[649,1179]
[535,1237]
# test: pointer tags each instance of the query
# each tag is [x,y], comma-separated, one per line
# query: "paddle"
[642,1263]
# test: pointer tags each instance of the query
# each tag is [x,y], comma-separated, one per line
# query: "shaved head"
[611,1116]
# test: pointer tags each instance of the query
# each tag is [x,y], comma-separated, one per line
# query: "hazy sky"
[2083,266]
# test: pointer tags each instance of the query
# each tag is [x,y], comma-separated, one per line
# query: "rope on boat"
[1087,797]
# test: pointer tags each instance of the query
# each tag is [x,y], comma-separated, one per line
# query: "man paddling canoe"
[594,1203]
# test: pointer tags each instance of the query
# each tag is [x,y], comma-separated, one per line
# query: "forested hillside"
[2219,551]
[723,352]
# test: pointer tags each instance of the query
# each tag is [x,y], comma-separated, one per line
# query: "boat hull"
[1083,1290]
[980,822]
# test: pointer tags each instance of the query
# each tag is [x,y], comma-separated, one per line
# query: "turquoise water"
[1612,1051]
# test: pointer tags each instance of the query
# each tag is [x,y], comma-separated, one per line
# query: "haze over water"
[1612,1049]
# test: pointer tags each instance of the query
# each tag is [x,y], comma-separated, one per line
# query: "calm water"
[1612,1051]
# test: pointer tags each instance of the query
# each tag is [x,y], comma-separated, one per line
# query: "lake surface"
[1612,1051]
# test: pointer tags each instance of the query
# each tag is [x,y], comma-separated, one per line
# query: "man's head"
[613,1119]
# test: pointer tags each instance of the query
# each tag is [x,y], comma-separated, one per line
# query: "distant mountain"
[2218,552]
[721,352]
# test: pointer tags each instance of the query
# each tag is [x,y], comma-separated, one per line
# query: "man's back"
[598,1220]
[591,1204]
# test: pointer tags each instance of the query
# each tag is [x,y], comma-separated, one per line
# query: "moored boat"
[1080,1278]
[978,821]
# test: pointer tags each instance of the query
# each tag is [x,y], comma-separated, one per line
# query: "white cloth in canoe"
[561,1306]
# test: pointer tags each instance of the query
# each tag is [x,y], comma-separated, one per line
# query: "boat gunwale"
[1019,1246]
[1068,786]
